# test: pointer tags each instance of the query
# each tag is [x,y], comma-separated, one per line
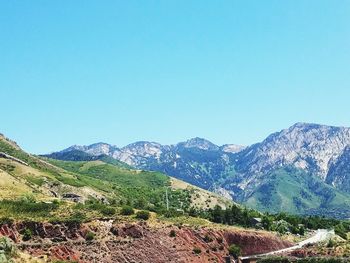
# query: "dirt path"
[320,235]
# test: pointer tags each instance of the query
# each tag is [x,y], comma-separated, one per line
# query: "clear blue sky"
[79,72]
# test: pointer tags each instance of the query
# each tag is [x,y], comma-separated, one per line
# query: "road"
[320,235]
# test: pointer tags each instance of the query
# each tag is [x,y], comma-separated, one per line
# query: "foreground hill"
[103,178]
[303,169]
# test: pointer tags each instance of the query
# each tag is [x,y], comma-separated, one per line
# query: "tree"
[193,212]
[301,230]
[127,210]
[108,211]
[217,214]
[266,222]
[90,236]
[236,214]
[144,215]
[245,217]
[197,250]
[140,203]
[234,251]
[172,233]
[27,234]
[228,217]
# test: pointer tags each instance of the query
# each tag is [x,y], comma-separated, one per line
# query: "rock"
[132,230]
[10,232]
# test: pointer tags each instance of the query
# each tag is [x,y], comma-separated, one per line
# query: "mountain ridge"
[170,158]
[313,149]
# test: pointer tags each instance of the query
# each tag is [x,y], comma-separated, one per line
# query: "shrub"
[8,249]
[274,260]
[108,211]
[90,236]
[208,239]
[27,234]
[220,240]
[172,233]
[341,231]
[28,207]
[197,250]
[75,219]
[6,221]
[319,260]
[234,250]
[127,210]
[144,215]
[331,243]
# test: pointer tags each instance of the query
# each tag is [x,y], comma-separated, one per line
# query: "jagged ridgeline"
[25,177]
[303,169]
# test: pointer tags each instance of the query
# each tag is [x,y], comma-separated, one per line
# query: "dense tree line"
[281,222]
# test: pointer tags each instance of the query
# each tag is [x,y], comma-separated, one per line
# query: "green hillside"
[294,191]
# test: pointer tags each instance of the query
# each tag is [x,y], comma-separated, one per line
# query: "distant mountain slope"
[307,156]
[317,156]
[196,161]
[339,171]
[293,190]
[309,147]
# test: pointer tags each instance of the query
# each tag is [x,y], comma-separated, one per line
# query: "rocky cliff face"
[339,171]
[93,149]
[140,154]
[310,147]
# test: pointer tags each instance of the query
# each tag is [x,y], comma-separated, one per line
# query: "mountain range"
[303,169]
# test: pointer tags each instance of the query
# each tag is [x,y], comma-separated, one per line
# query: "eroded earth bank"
[106,241]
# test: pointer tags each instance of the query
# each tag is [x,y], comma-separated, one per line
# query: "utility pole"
[167,199]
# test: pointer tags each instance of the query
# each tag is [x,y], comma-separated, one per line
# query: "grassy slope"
[200,197]
[101,176]
[126,182]
[136,183]
[294,191]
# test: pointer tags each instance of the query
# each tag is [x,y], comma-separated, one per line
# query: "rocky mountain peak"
[232,148]
[144,148]
[75,148]
[137,153]
[199,143]
[93,149]
[303,145]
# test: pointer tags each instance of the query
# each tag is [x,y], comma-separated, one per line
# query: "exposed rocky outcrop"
[339,171]
[10,231]
[7,156]
[311,147]
[137,242]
